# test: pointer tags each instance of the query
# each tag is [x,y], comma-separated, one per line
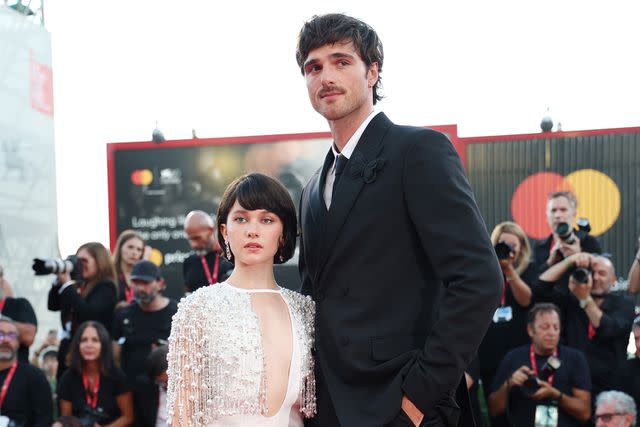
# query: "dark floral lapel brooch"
[366,169]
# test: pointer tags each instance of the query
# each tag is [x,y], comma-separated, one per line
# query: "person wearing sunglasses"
[25,396]
[615,409]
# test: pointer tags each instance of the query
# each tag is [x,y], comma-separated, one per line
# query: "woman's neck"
[253,277]
[92,368]
[126,269]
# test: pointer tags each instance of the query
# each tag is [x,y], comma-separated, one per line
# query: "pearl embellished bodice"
[216,358]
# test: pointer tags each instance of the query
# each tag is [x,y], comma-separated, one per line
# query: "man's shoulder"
[30,371]
[571,354]
[191,259]
[521,352]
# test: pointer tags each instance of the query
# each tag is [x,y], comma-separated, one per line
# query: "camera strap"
[2,303]
[534,364]
[7,381]
[211,278]
[91,395]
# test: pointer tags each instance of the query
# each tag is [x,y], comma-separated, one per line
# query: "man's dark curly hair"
[338,28]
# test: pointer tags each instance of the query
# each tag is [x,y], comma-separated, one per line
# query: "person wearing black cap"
[145,323]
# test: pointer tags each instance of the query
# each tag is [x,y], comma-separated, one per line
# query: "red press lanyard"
[7,381]
[2,302]
[91,395]
[534,365]
[504,293]
[212,279]
[128,290]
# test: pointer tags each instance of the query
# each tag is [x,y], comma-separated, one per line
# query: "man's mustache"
[329,89]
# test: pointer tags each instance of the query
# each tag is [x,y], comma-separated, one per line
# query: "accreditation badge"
[503,314]
[546,416]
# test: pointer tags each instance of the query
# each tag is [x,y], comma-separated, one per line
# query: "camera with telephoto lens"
[581,275]
[91,416]
[72,265]
[565,232]
[503,250]
[530,385]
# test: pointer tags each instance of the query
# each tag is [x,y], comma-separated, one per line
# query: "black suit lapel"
[316,195]
[351,183]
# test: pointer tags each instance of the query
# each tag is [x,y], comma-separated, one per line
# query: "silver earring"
[227,249]
[281,258]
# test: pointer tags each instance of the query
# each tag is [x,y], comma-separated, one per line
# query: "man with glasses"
[25,396]
[598,321]
[615,409]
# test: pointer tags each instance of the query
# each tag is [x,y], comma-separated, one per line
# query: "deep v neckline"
[293,342]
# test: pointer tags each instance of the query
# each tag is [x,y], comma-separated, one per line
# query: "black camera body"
[503,250]
[91,416]
[581,275]
[530,386]
[72,265]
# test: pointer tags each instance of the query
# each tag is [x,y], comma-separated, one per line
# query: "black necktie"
[341,162]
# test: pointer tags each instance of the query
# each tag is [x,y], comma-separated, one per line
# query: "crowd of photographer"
[554,355]
[106,365]
[556,351]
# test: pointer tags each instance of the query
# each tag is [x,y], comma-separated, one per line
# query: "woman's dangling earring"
[227,249]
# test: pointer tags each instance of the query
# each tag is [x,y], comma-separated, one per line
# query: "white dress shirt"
[347,151]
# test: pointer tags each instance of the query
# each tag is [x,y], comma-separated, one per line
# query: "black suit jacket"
[403,274]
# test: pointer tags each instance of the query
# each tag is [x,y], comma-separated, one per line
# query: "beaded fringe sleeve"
[216,360]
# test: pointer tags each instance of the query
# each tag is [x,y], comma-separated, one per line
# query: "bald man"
[597,320]
[206,266]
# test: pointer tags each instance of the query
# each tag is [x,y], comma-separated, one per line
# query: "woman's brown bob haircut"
[257,191]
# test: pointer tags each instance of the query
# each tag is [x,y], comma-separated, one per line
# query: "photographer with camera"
[564,241]
[91,295]
[543,383]
[598,322]
[25,396]
[144,323]
[508,328]
[93,389]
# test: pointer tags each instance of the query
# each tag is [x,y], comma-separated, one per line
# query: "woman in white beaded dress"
[240,350]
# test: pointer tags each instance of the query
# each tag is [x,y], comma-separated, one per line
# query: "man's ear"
[372,74]
[530,331]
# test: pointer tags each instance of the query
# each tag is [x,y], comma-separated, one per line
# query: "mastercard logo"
[141,177]
[598,200]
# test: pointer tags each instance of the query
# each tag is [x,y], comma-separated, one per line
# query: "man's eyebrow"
[334,55]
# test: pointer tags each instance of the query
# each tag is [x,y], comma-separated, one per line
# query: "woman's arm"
[125,403]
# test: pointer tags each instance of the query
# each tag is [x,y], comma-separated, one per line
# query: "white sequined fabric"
[216,360]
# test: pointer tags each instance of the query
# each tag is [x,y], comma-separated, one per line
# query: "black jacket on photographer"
[112,385]
[605,346]
[74,309]
[28,401]
[573,373]
[136,330]
[542,250]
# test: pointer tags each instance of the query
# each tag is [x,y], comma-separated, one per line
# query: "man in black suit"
[392,343]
